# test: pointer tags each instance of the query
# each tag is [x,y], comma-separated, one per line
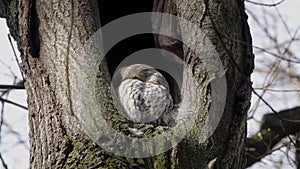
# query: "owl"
[144,95]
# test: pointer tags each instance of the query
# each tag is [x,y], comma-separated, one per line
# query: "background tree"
[277,63]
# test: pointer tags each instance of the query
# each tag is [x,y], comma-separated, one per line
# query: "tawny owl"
[144,94]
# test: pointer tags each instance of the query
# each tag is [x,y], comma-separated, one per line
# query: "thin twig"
[13,103]
[3,162]
[264,4]
[1,121]
[15,54]
[1,124]
[277,90]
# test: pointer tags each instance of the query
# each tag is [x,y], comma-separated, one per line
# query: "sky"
[16,155]
[283,27]
[289,11]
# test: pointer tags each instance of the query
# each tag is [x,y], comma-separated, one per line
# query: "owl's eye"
[138,77]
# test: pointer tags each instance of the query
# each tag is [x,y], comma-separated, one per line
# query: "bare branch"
[277,90]
[9,87]
[15,54]
[1,123]
[264,4]
[273,129]
[13,103]
[3,162]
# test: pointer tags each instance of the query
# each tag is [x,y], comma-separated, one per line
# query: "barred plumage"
[144,94]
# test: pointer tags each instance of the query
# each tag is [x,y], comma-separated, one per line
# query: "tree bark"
[49,34]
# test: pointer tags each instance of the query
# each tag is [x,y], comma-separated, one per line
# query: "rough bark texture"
[44,30]
[297,150]
[49,34]
[224,23]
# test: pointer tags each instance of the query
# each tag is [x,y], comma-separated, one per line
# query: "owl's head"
[144,73]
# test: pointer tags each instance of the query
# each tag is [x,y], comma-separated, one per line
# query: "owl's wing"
[144,102]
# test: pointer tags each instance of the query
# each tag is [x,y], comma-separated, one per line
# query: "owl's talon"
[162,128]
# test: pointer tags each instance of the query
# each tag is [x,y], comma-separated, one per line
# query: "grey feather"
[144,94]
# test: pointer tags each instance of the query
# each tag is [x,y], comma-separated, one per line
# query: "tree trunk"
[50,34]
